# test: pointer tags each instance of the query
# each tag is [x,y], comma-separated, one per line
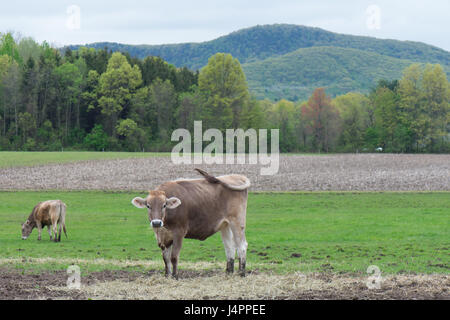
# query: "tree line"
[91,99]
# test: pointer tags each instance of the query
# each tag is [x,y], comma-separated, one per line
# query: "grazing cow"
[197,209]
[47,213]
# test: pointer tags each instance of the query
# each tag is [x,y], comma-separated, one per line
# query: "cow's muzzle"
[156,223]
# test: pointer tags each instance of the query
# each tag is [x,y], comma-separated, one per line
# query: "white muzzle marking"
[156,223]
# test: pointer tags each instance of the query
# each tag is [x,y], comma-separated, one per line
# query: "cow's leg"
[59,232]
[176,247]
[166,253]
[39,227]
[55,231]
[49,232]
[241,245]
[230,248]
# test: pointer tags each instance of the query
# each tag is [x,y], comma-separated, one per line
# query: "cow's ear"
[173,202]
[138,202]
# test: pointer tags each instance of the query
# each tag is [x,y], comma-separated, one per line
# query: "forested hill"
[261,42]
[295,75]
[277,63]
[99,100]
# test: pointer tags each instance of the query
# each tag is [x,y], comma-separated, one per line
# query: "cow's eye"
[164,205]
[148,206]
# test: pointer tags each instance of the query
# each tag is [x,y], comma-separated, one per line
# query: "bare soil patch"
[17,285]
[341,172]
[195,285]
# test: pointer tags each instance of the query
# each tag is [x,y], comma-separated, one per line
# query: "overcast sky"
[62,22]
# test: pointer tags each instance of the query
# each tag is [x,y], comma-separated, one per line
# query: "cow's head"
[27,227]
[157,203]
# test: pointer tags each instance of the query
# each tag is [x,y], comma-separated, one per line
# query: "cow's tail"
[62,210]
[212,179]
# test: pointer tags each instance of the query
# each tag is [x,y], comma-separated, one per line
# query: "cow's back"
[44,212]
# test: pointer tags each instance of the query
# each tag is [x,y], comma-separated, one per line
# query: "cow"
[46,213]
[197,209]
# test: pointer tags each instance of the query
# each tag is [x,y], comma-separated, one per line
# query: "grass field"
[314,244]
[287,232]
[18,159]
[11,159]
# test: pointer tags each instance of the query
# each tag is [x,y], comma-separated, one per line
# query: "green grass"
[9,159]
[18,159]
[308,232]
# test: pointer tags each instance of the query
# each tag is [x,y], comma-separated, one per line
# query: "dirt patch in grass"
[18,285]
[195,285]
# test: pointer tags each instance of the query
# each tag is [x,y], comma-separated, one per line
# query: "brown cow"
[197,209]
[47,213]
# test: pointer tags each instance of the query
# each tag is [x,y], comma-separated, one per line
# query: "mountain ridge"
[277,39]
[255,44]
[296,74]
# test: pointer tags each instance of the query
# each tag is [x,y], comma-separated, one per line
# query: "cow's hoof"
[230,266]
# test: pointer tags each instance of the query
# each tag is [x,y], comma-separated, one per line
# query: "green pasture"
[10,159]
[286,232]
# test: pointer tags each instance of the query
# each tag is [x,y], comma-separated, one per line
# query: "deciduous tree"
[223,83]
[321,117]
